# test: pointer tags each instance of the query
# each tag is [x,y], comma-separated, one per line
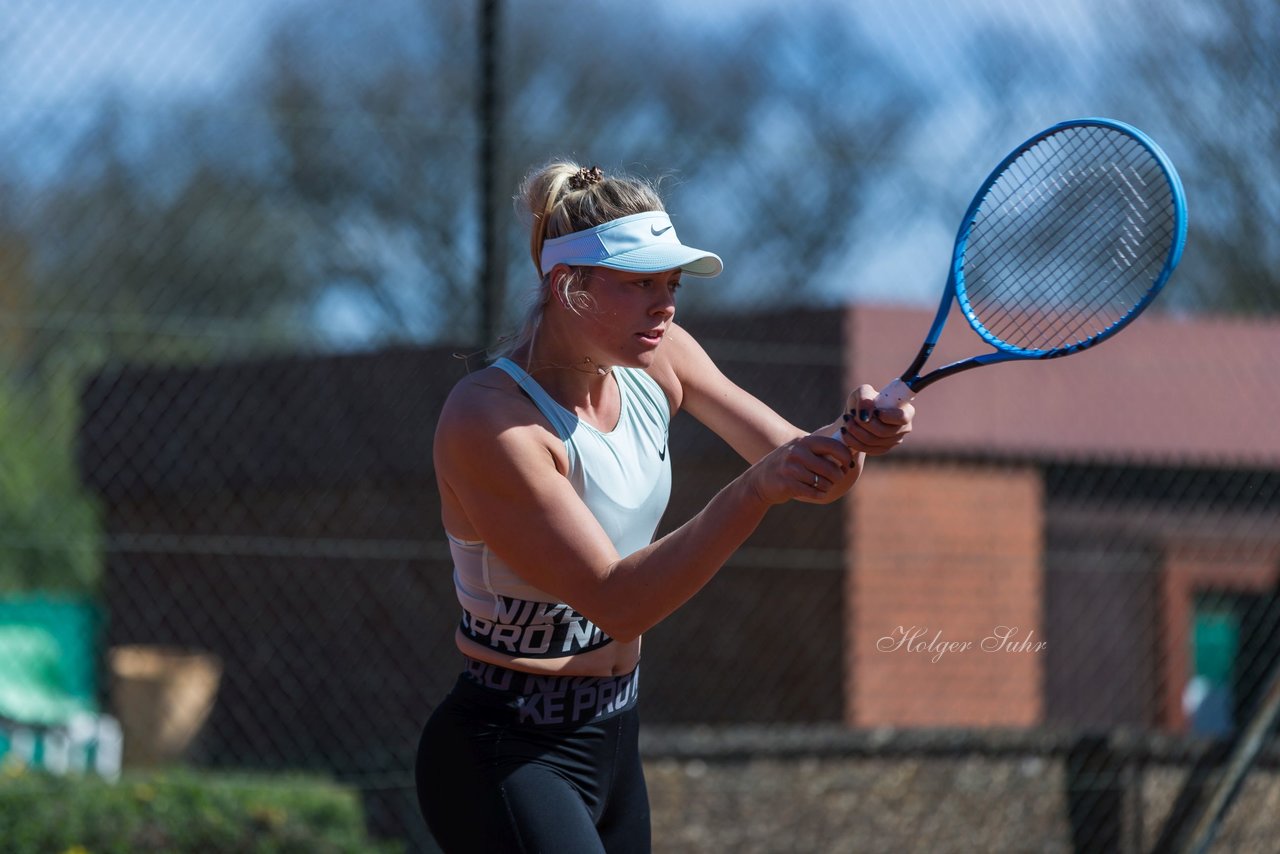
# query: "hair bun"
[585,177]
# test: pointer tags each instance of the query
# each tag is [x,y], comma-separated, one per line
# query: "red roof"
[1190,391]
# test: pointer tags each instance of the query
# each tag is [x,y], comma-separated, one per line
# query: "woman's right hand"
[803,469]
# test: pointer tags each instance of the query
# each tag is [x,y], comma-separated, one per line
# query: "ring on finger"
[815,481]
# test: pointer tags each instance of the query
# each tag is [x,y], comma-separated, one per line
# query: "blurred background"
[247,247]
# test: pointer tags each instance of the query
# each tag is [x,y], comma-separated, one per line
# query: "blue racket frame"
[955,289]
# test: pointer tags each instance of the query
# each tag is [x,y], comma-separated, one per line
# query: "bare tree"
[1214,70]
[767,127]
[342,171]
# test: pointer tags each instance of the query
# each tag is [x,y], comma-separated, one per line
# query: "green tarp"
[46,659]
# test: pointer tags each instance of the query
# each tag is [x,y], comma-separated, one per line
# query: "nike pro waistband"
[542,700]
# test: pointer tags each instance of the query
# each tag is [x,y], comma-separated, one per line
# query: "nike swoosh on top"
[658,232]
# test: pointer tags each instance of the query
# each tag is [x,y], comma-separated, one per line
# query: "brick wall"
[944,593]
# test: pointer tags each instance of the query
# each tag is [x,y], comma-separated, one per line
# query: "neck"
[563,368]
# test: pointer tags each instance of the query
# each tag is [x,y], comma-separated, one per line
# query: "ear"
[555,283]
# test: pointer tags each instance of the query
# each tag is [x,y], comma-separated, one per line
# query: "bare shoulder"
[685,363]
[749,426]
[487,408]
[676,358]
[478,400]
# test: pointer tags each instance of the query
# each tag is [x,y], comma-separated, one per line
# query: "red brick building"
[975,525]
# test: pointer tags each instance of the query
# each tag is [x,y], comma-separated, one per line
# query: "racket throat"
[913,370]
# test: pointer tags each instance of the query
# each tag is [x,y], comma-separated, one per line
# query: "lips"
[652,336]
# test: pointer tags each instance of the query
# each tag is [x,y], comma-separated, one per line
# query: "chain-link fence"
[243,244]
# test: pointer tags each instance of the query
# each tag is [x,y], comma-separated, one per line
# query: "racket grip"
[894,395]
[891,396]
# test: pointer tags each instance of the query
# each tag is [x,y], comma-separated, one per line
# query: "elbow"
[626,636]
[617,613]
[620,622]
[621,630]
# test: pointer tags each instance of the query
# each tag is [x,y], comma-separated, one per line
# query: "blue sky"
[63,55]
[66,50]
[62,50]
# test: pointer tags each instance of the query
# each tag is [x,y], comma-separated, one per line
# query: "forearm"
[646,586]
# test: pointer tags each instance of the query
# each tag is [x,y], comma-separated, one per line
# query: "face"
[628,314]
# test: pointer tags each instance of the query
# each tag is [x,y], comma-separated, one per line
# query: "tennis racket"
[1068,240]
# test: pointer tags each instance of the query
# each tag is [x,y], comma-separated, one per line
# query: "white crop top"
[624,478]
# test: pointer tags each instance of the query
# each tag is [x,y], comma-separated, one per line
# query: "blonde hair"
[560,198]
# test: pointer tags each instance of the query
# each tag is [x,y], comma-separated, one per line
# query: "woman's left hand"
[874,431]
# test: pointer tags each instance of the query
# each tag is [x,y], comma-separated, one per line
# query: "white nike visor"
[640,243]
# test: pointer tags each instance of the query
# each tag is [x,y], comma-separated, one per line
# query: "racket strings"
[1094,306]
[1068,240]
[1094,225]
[1094,303]
[1094,292]
[1097,285]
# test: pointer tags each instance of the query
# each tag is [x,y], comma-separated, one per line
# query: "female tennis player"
[553,473]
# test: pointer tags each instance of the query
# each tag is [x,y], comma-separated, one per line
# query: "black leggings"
[513,763]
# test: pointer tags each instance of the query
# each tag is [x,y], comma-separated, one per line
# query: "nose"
[665,304]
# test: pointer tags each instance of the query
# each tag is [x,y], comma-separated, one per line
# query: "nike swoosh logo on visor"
[658,232]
